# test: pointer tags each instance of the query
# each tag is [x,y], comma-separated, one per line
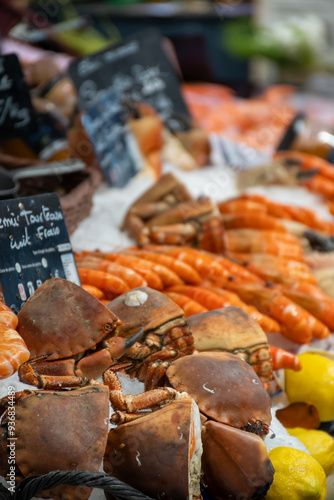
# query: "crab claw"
[118,346]
[93,365]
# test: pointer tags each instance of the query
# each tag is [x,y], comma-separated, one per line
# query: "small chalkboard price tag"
[34,247]
[139,70]
[113,143]
[17,116]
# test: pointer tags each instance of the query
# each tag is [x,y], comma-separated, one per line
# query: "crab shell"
[63,319]
[235,463]
[61,430]
[152,310]
[169,466]
[231,329]
[225,388]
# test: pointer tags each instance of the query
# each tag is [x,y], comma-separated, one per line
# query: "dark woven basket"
[78,202]
[75,190]
[31,486]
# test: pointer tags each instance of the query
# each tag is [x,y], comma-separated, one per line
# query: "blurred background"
[242,44]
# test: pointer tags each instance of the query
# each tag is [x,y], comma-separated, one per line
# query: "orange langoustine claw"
[13,350]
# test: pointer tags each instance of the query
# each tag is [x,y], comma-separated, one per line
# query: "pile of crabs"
[195,429]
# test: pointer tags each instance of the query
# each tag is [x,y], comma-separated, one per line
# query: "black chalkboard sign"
[113,143]
[139,70]
[17,116]
[34,246]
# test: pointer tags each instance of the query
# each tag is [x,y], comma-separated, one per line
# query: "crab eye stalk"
[109,327]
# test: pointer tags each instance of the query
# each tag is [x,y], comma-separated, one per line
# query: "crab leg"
[132,404]
[116,347]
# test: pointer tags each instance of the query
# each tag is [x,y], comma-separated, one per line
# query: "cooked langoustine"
[297,324]
[214,298]
[257,241]
[13,350]
[314,300]
[255,219]
[303,215]
[275,268]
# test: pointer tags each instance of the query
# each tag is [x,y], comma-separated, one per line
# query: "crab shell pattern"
[231,329]
[225,388]
[60,430]
[165,328]
[63,319]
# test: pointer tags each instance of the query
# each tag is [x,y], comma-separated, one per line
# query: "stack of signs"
[136,70]
[17,116]
[34,247]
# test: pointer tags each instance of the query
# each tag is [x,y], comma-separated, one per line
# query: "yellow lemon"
[314,383]
[319,443]
[298,476]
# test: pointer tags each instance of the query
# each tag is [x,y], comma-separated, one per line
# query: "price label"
[17,116]
[35,247]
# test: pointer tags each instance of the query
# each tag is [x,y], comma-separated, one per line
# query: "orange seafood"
[257,241]
[140,266]
[204,262]
[204,297]
[303,215]
[13,350]
[187,273]
[236,205]
[188,306]
[282,358]
[94,290]
[95,261]
[275,268]
[238,273]
[102,280]
[267,324]
[314,300]
[297,324]
[166,276]
[253,220]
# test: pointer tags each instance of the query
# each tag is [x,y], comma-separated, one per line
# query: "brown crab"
[73,331]
[55,430]
[168,214]
[160,453]
[167,335]
[232,401]
[231,329]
